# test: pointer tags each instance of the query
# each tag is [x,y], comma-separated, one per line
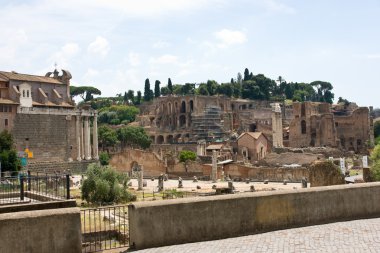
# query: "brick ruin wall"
[154,166]
[49,137]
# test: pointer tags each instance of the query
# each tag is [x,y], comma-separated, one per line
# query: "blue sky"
[115,44]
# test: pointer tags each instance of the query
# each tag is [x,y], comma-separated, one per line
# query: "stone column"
[214,171]
[87,152]
[82,142]
[78,131]
[95,138]
[140,178]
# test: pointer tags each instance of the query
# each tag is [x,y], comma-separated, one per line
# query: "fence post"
[29,182]
[21,187]
[67,186]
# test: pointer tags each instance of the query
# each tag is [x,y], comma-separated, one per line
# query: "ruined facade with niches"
[319,124]
[43,119]
[187,119]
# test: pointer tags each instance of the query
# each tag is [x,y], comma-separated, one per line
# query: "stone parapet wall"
[42,231]
[161,223]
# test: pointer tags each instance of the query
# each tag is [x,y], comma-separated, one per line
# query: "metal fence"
[104,228]
[34,188]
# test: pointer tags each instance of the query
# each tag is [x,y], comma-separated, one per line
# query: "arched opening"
[134,166]
[176,138]
[182,120]
[160,139]
[183,107]
[232,106]
[303,127]
[244,107]
[191,105]
[170,108]
[169,139]
[175,107]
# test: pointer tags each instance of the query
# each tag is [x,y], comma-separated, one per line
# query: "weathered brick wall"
[49,137]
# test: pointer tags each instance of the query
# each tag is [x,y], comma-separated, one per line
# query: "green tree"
[8,155]
[375,158]
[186,155]
[165,91]
[170,86]
[148,93]
[107,137]
[85,92]
[246,75]
[212,86]
[157,89]
[324,93]
[131,136]
[131,96]
[104,185]
[202,90]
[138,100]
[376,130]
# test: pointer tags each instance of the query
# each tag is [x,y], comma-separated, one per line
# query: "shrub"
[104,185]
[104,158]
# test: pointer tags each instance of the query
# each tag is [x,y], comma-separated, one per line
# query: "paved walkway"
[350,236]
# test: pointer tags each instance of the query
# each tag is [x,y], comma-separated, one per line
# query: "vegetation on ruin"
[186,155]
[104,185]
[8,154]
[118,114]
[376,131]
[126,136]
[375,158]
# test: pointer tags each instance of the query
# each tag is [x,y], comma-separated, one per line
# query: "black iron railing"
[34,188]
[104,228]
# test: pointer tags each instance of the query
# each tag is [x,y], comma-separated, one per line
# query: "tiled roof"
[214,146]
[255,135]
[8,101]
[24,77]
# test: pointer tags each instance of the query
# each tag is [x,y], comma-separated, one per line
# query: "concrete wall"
[43,231]
[170,222]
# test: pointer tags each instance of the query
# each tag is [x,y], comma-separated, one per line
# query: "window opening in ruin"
[6,122]
[252,127]
[343,142]
[183,107]
[244,107]
[303,127]
[232,106]
[336,124]
[191,105]
[359,142]
[23,93]
[5,108]
[182,120]
[27,93]
[160,139]
[303,110]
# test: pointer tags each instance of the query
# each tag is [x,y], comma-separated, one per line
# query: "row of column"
[83,136]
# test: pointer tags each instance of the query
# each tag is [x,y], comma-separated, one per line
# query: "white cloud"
[161,44]
[100,46]
[134,59]
[275,6]
[229,37]
[373,56]
[152,9]
[64,55]
[164,59]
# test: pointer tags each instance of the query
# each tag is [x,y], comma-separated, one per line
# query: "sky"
[115,45]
